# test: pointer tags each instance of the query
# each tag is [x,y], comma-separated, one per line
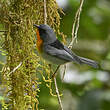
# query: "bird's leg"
[54,74]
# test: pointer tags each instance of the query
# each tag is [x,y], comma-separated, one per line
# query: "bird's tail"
[88,62]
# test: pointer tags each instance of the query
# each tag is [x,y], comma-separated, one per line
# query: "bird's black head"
[46,33]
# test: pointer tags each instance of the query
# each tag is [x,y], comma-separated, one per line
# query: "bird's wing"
[75,57]
[56,49]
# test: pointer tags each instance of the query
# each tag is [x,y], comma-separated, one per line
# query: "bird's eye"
[42,31]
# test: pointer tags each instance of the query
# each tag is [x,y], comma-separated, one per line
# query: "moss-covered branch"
[18,17]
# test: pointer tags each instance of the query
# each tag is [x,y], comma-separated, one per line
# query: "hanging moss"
[18,16]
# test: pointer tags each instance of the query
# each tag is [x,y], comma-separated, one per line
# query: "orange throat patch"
[39,42]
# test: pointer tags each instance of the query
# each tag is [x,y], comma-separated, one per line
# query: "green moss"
[18,17]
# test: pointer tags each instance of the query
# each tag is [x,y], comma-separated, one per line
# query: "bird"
[53,51]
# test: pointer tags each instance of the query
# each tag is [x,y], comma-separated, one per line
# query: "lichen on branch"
[19,73]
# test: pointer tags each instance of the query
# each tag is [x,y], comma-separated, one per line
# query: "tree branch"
[64,72]
[58,95]
[75,28]
[76,24]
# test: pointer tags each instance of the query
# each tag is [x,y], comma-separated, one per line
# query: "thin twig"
[75,27]
[64,72]
[3,30]
[57,92]
[45,12]
[76,24]
[58,95]
[15,68]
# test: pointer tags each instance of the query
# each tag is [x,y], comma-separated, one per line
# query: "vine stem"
[15,68]
[58,95]
[75,28]
[57,91]
[76,24]
[3,30]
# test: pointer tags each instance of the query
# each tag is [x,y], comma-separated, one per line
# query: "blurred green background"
[83,87]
